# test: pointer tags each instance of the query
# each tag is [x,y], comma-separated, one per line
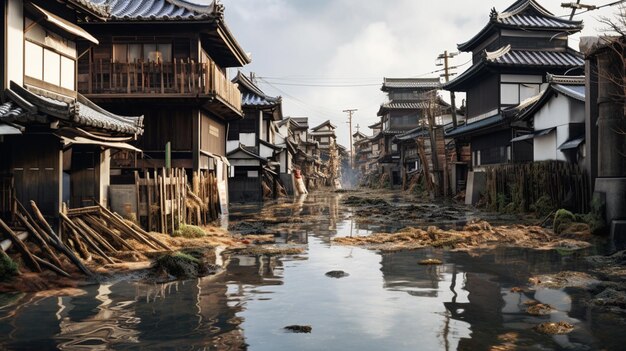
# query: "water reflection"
[389,301]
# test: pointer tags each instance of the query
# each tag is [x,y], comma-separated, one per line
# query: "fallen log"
[52,267]
[95,224]
[34,229]
[28,257]
[117,221]
[56,242]
[95,236]
[6,244]
[87,238]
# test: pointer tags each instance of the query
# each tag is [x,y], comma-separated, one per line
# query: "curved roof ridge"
[497,53]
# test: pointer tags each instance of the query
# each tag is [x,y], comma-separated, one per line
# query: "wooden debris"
[26,255]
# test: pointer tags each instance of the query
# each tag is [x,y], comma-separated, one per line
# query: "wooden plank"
[26,255]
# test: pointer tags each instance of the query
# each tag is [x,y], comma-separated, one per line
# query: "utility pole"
[576,6]
[350,112]
[446,69]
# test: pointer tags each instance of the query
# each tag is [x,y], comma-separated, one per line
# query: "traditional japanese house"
[284,138]
[410,100]
[511,56]
[254,158]
[55,144]
[166,59]
[324,135]
[557,116]
[307,158]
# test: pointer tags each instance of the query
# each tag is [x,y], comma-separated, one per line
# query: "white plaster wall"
[247,139]
[265,151]
[244,162]
[15,42]
[231,145]
[544,147]
[577,111]
[554,113]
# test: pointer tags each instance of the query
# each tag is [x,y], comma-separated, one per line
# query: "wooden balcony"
[181,78]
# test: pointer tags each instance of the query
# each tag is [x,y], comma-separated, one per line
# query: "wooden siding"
[484,96]
[212,135]
[167,124]
[35,165]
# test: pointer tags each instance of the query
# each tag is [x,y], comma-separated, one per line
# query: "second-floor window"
[146,52]
[49,57]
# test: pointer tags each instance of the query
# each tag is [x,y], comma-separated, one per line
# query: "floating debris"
[299,328]
[539,309]
[517,290]
[337,274]
[566,279]
[430,262]
[554,328]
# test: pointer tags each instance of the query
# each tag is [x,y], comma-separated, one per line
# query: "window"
[509,94]
[33,62]
[324,140]
[148,52]
[513,94]
[49,57]
[52,67]
[68,73]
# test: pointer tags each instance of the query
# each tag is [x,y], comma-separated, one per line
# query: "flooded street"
[387,302]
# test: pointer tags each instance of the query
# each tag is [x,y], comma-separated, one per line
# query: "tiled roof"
[411,83]
[9,110]
[507,56]
[80,111]
[249,99]
[326,123]
[92,6]
[525,15]
[303,122]
[475,126]
[138,10]
[405,105]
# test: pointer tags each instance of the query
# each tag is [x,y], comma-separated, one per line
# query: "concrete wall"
[559,112]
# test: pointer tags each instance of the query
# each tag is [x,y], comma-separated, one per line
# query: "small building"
[557,117]
[56,144]
[512,55]
[410,102]
[254,158]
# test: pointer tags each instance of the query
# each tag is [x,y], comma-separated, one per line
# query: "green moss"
[595,218]
[562,219]
[8,268]
[543,206]
[179,265]
[189,231]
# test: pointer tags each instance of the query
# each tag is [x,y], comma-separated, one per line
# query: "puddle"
[387,302]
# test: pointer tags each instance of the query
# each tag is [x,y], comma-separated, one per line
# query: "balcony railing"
[180,77]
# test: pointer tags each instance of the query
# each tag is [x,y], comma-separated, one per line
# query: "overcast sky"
[358,42]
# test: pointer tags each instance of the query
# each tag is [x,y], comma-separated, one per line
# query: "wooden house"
[409,101]
[307,157]
[55,144]
[252,152]
[511,56]
[166,59]
[557,117]
[324,135]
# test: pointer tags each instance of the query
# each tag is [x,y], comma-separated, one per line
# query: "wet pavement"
[388,301]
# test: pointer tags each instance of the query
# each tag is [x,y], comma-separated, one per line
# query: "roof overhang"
[64,25]
[7,129]
[67,142]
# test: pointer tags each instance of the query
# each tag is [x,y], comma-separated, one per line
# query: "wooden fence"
[564,183]
[167,200]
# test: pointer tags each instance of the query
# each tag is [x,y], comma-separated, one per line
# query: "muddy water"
[388,301]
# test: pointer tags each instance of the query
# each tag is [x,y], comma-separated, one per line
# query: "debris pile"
[478,234]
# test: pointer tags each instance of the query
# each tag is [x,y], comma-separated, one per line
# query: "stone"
[337,274]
